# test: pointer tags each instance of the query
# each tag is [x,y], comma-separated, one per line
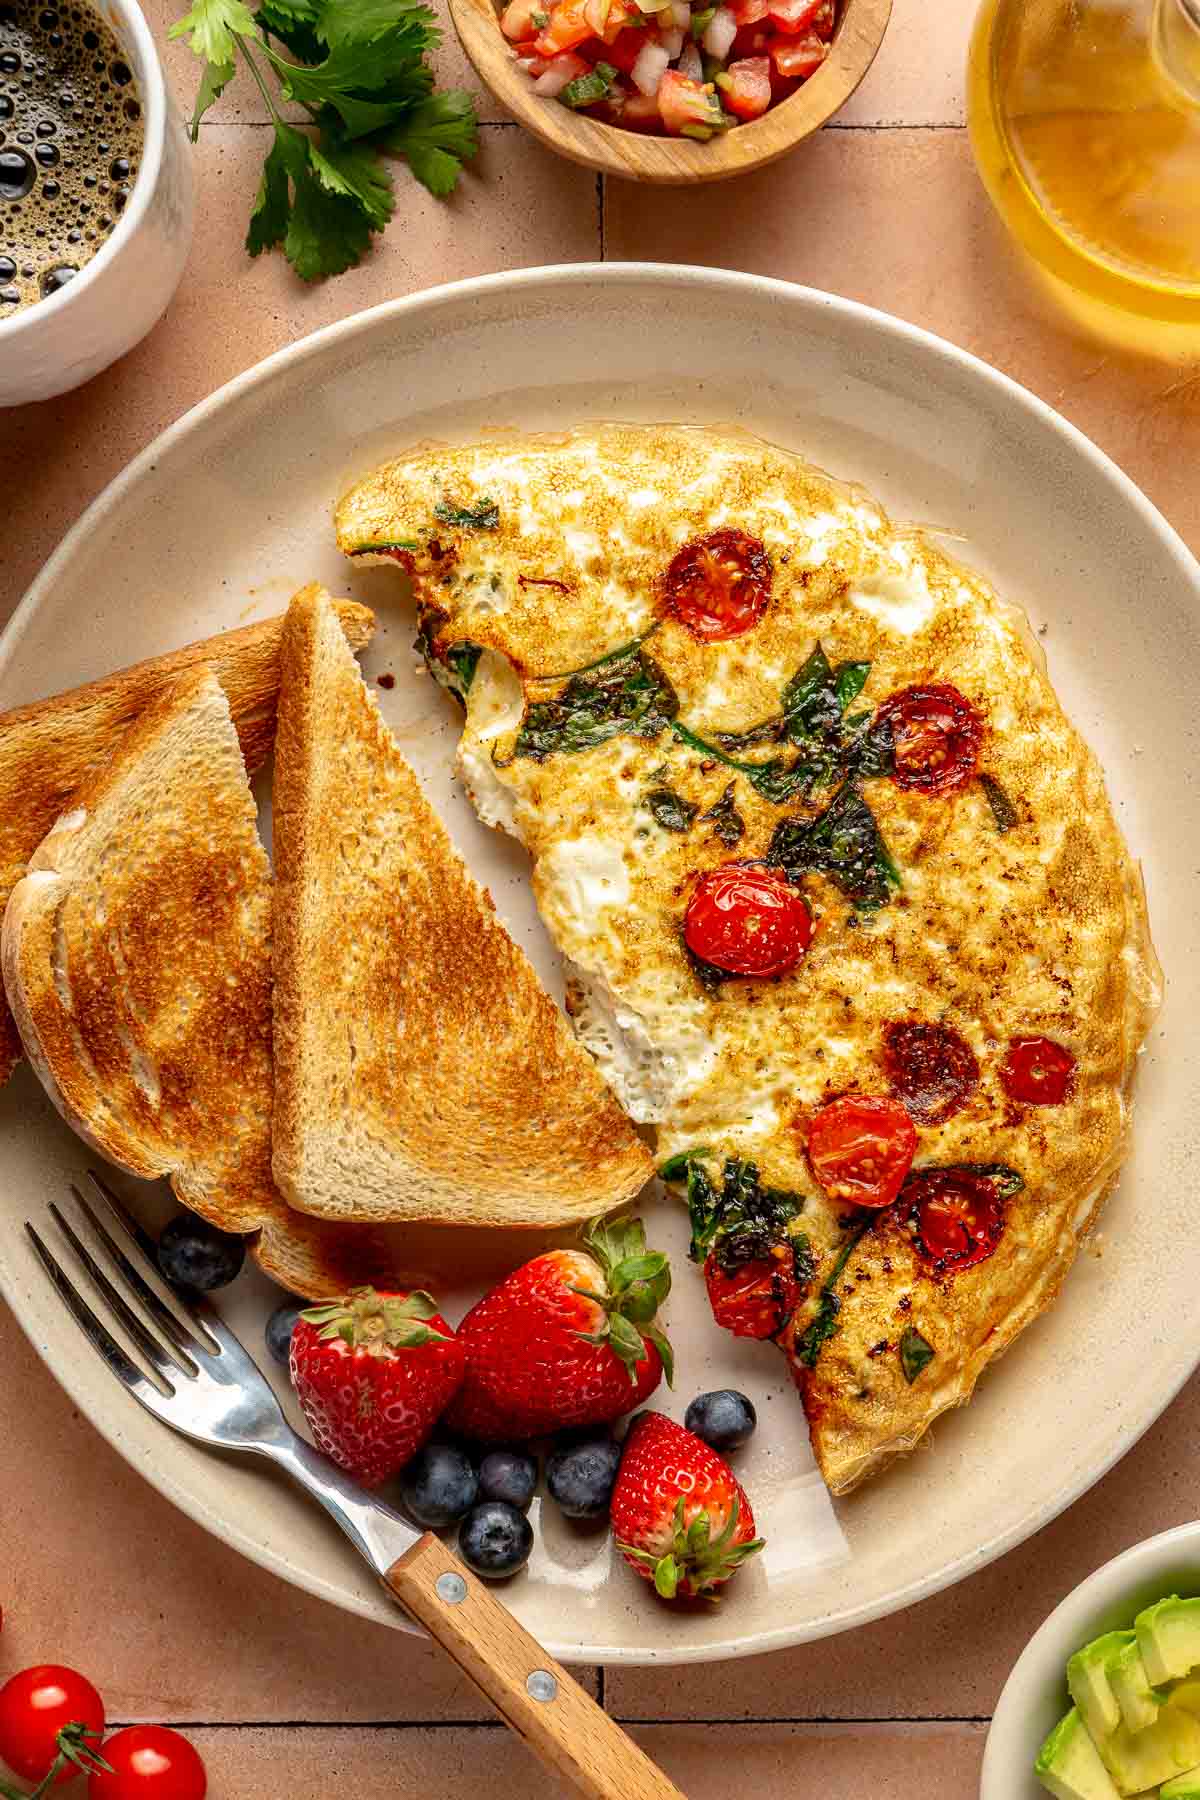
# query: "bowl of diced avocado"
[1104,1701]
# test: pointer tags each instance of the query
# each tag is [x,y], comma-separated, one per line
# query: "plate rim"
[716,281]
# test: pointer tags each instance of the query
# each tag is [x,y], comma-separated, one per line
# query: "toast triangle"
[50,748]
[422,1072]
[136,957]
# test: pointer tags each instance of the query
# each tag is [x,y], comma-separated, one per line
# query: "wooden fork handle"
[560,1723]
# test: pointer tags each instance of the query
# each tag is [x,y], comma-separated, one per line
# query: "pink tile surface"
[173,1625]
[915,1762]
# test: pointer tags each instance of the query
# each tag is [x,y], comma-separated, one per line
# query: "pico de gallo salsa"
[668,67]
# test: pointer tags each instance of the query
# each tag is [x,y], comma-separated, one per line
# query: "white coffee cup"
[65,339]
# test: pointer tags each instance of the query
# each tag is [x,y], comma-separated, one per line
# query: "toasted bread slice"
[422,1073]
[136,955]
[48,750]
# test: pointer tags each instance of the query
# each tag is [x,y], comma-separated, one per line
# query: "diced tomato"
[936,734]
[517,20]
[626,47]
[567,27]
[746,87]
[796,58]
[1037,1071]
[640,112]
[861,1147]
[719,585]
[794,16]
[751,40]
[931,1068]
[781,87]
[686,105]
[747,12]
[606,17]
[747,920]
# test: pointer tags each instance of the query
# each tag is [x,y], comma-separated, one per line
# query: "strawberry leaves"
[696,1561]
[638,1282]
[359,69]
[377,1323]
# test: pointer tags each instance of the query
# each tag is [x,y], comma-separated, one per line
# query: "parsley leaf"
[359,69]
[214,24]
[436,139]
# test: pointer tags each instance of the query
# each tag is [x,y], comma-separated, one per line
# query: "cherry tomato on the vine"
[861,1147]
[35,1705]
[746,920]
[149,1762]
[719,585]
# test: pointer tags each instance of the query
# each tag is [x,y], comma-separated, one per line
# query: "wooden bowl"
[615,151]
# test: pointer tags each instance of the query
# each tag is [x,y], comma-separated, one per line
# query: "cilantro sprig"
[359,69]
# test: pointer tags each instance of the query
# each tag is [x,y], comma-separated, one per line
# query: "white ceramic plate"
[230,511]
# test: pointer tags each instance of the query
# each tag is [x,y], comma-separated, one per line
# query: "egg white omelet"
[1011,906]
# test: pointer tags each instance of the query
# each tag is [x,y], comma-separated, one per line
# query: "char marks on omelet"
[532,559]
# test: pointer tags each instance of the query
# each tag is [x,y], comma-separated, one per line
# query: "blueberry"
[279,1328]
[508,1475]
[439,1485]
[581,1476]
[495,1540]
[192,1253]
[725,1419]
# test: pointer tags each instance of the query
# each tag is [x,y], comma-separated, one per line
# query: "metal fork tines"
[201,1380]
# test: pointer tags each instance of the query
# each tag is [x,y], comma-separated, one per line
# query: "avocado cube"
[1090,1683]
[1184,1787]
[1168,1635]
[1068,1765]
[1138,1701]
[1142,1759]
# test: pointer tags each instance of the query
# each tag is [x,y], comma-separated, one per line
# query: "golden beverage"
[1085,121]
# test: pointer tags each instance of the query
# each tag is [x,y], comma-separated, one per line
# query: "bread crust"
[49,749]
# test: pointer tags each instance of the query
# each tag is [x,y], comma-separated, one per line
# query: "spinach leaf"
[1003,810]
[916,1353]
[725,819]
[803,1260]
[845,844]
[824,1323]
[670,809]
[624,694]
[483,517]
[676,1167]
[463,660]
[745,1221]
[774,780]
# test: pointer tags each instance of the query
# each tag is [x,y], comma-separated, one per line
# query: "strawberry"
[567,1339]
[374,1373]
[679,1513]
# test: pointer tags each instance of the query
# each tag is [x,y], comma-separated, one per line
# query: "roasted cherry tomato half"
[753,1299]
[932,1068]
[1037,1071]
[746,920]
[35,1706]
[149,1762]
[936,734]
[957,1214]
[719,585]
[861,1147]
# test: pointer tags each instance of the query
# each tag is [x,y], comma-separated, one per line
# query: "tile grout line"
[499,1725]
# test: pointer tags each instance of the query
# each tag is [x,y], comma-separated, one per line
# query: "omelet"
[689,662]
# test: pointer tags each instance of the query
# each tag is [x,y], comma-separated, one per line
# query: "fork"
[205,1385]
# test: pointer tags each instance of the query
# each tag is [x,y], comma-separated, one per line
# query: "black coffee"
[71,136]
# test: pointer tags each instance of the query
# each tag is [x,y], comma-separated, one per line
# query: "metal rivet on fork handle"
[451,1588]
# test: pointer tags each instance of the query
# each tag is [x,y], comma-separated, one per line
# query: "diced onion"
[530,64]
[722,29]
[562,70]
[651,65]
[691,63]
[672,42]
